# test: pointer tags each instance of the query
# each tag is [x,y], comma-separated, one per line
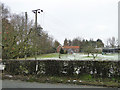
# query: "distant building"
[69,49]
[111,50]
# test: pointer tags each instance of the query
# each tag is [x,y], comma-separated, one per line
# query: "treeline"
[84,44]
[20,38]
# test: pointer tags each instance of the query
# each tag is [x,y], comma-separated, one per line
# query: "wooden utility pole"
[36,32]
[26,19]
[36,12]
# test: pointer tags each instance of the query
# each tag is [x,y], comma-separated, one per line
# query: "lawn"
[77,56]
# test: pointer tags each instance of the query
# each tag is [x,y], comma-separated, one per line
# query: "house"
[69,49]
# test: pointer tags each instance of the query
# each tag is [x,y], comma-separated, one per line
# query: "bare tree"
[112,42]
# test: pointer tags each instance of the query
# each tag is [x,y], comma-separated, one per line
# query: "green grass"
[88,57]
[52,55]
[79,56]
[86,79]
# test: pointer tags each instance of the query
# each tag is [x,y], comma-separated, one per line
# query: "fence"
[103,69]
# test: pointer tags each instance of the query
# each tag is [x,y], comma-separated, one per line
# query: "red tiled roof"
[71,47]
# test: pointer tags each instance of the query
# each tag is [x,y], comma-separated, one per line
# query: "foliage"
[61,51]
[18,41]
[99,43]
[112,42]
[56,43]
[65,51]
[87,70]
[85,45]
[65,42]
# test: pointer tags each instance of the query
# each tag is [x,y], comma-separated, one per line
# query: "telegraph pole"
[36,19]
[26,17]
[36,12]
[26,33]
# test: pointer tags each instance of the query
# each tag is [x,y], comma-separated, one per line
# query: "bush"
[65,52]
[61,51]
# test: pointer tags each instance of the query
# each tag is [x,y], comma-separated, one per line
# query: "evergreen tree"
[69,42]
[99,43]
[56,44]
[61,51]
[65,42]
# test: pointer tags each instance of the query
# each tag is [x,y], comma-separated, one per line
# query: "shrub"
[61,51]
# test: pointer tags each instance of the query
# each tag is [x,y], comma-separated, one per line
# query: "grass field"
[77,56]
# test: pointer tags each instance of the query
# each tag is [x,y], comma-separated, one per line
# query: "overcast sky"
[72,18]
